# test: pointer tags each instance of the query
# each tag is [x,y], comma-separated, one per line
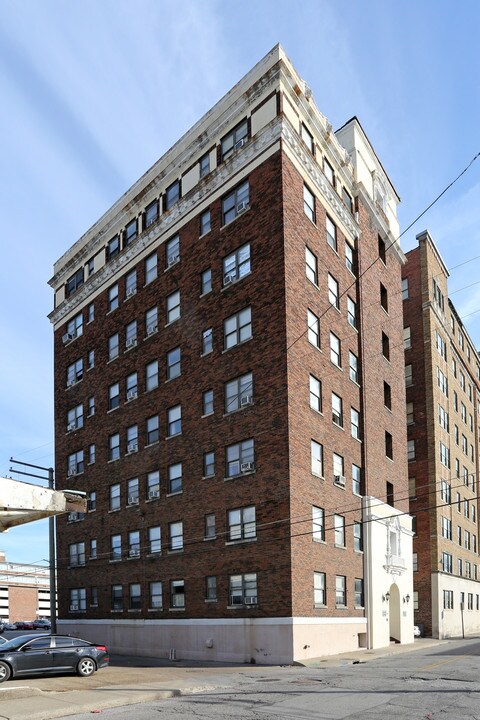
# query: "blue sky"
[93,93]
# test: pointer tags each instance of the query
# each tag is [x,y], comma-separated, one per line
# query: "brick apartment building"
[442,376]
[229,392]
[24,590]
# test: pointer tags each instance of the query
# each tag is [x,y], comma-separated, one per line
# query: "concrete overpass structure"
[22,502]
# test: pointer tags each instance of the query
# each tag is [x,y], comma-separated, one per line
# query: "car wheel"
[86,667]
[5,671]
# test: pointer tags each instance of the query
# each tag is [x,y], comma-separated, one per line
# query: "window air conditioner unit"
[247,467]
[227,279]
[133,553]
[153,494]
[71,472]
[131,342]
[73,608]
[133,500]
[71,426]
[241,207]
[246,400]
[173,259]
[151,329]
[252,600]
[131,394]
[240,143]
[339,480]
[67,337]
[132,447]
[71,382]
[131,291]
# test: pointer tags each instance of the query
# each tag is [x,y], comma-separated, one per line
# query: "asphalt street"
[434,683]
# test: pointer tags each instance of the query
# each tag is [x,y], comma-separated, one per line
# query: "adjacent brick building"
[229,391]
[24,591]
[442,375]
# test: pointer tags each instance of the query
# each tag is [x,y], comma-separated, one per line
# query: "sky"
[93,93]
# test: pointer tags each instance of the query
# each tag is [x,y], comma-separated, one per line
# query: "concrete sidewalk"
[131,680]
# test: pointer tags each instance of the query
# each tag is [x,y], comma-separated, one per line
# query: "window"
[311,266]
[151,213]
[315,394]
[353,366]
[384,297]
[318,524]
[235,203]
[356,480]
[333,294]
[93,549]
[235,139]
[407,338]
[207,402]
[134,543]
[75,463]
[114,447]
[175,536]
[237,328]
[239,458]
[209,531]
[91,313]
[243,589]
[408,375]
[355,423]
[359,601]
[173,363]
[340,590]
[446,562]
[113,248]
[117,597]
[446,528]
[172,194]
[113,342]
[153,485]
[175,482]
[443,418]
[113,396]
[307,137]
[150,268]
[338,473]
[346,197]
[151,321]
[155,601]
[74,328]
[177,594]
[210,588]
[172,251]
[316,455]
[387,395]
[152,430]
[309,203]
[113,298]
[130,232]
[386,348]
[151,375]
[331,233]
[236,265]
[204,165]
[132,490]
[335,350]
[74,282]
[319,589]
[388,445]
[208,464]
[404,288]
[91,359]
[358,536]
[238,393]
[207,341]
[444,455]
[174,421]
[328,170]
[75,418]
[90,266]
[313,324]
[382,250]
[131,386]
[339,530]
[91,454]
[115,497]
[241,524]
[441,345]
[74,372]
[438,296]
[206,284]
[410,450]
[349,258]
[337,410]
[352,312]
[410,416]
[78,601]
[115,547]
[76,554]
[134,596]
[173,306]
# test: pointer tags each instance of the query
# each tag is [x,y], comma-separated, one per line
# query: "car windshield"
[17,642]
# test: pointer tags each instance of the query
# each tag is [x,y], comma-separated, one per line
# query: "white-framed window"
[355,423]
[172,251]
[311,266]
[333,292]
[313,324]
[210,532]
[174,367]
[155,595]
[353,366]
[350,258]
[114,396]
[207,341]
[114,447]
[338,467]
[207,402]
[75,418]
[359,593]
[151,268]
[130,283]
[151,375]
[74,327]
[235,139]
[243,589]
[316,455]
[133,494]
[204,165]
[236,265]
[358,536]
[134,543]
[152,430]
[407,338]
[208,464]
[113,297]
[174,421]
[206,281]
[337,410]
[117,597]
[75,372]
[175,478]
[173,306]
[241,523]
[328,171]
[151,321]
[151,213]
[339,530]
[319,589]
[154,540]
[404,288]
[210,588]
[235,202]
[318,523]
[315,393]
[173,193]
[309,203]
[175,536]
[131,334]
[177,593]
[130,232]
[93,549]
[408,375]
[75,463]
[239,393]
[410,415]
[331,229]
[307,137]
[239,458]
[352,312]
[78,599]
[153,485]
[114,497]
[237,328]
[76,554]
[74,282]
[335,350]
[115,547]
[113,248]
[356,480]
[134,596]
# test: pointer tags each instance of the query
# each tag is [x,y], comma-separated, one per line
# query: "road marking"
[443,662]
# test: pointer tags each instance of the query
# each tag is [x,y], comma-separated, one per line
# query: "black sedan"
[48,654]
